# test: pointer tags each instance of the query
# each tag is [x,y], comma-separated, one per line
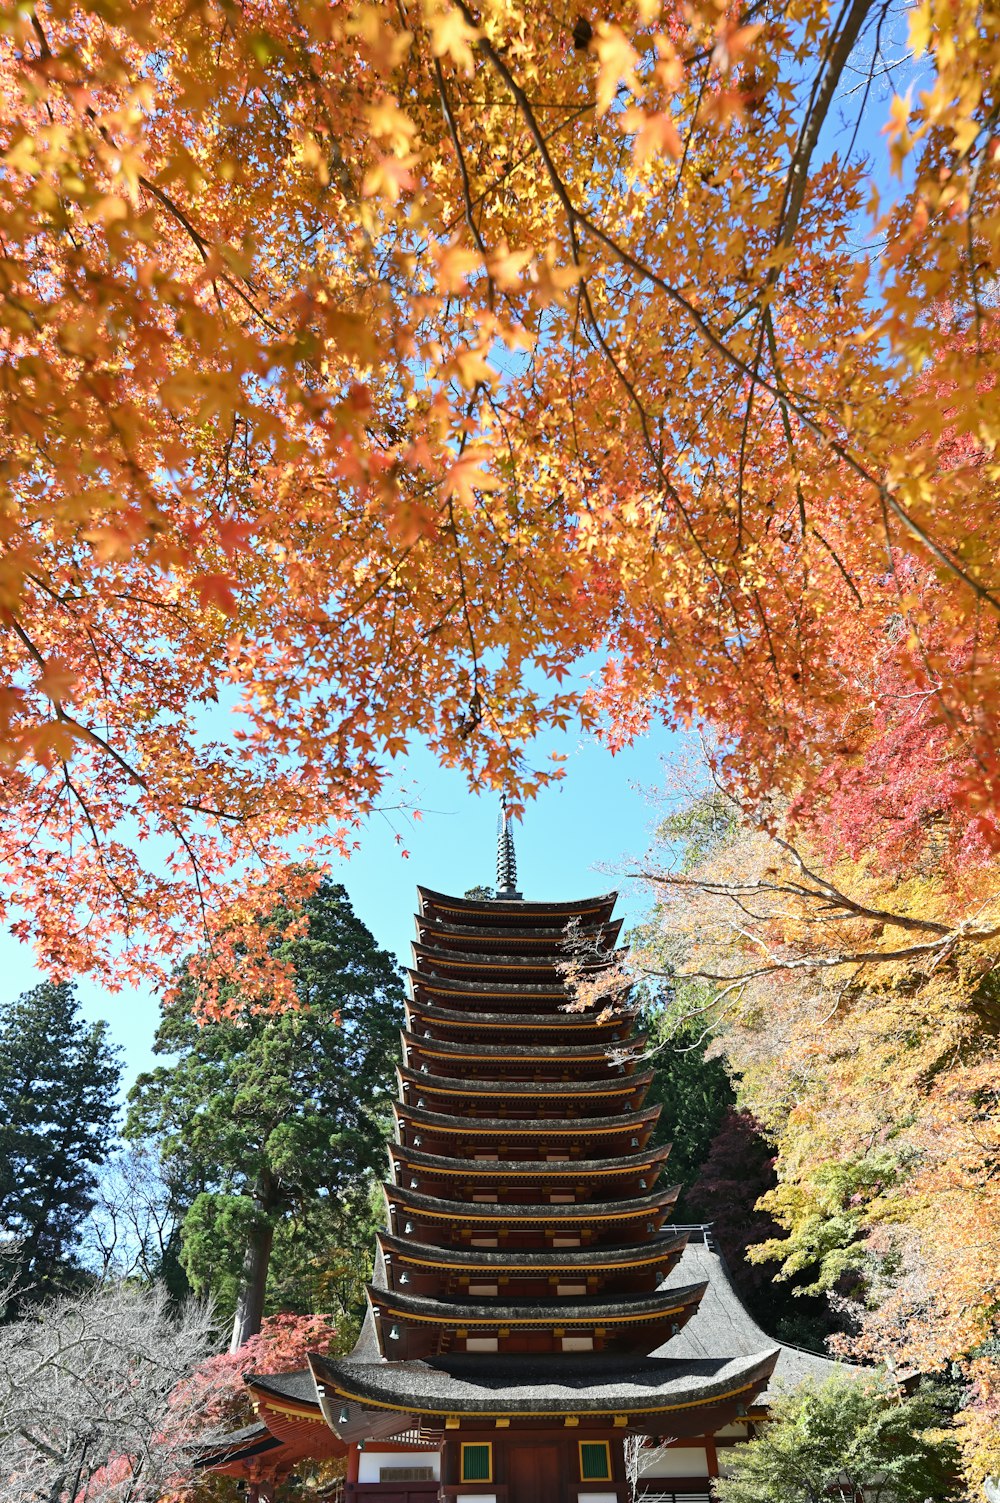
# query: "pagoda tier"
[540,1098]
[487,1222]
[522,1281]
[415,1326]
[563,1272]
[524,1179]
[519,1061]
[423,1018]
[538,966]
[516,1137]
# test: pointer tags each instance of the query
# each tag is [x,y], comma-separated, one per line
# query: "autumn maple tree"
[850,984]
[366,366]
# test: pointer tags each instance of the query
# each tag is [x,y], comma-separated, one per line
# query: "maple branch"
[839,46]
[841,903]
[578,217]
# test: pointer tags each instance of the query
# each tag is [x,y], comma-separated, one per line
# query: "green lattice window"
[477,1463]
[595,1460]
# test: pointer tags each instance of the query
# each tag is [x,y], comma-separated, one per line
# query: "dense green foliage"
[58,1083]
[274,1123]
[899,1450]
[693,1094]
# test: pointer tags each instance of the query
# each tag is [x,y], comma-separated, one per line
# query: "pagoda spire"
[506,856]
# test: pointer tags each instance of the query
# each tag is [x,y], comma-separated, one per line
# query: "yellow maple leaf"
[452,36]
[467,476]
[617,60]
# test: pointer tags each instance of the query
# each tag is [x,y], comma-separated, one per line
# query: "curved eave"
[439,933]
[229,1454]
[504,991]
[443,1085]
[518,1053]
[570,1022]
[451,960]
[664,1305]
[403,1250]
[517,910]
[519,1127]
[645,1391]
[627,1166]
[286,1392]
[490,1213]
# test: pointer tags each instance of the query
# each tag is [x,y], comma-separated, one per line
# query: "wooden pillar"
[712,1456]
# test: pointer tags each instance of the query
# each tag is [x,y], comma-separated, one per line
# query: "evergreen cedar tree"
[267,1118]
[59,1080]
[891,1448]
[370,366]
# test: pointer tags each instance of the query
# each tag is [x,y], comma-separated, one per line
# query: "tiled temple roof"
[583,1127]
[595,1310]
[634,1162]
[554,938]
[501,910]
[476,1049]
[549,1385]
[583,1211]
[546,1021]
[637,1255]
[449,1085]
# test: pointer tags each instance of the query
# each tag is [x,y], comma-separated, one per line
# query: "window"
[406,1474]
[477,1463]
[595,1461]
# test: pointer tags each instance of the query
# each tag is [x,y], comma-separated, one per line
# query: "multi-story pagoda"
[519,1294]
[529,1310]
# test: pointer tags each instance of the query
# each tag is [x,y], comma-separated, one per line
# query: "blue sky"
[574,839]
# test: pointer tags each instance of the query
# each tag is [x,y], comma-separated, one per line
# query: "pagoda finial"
[506,858]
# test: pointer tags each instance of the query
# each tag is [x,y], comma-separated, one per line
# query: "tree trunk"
[253,1283]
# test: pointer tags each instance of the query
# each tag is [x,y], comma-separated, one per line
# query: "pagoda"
[534,1332]
[518,1315]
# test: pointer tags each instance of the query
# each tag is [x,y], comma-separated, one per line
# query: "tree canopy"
[858,1435]
[851,987]
[58,1107]
[262,1118]
[93,1401]
[371,366]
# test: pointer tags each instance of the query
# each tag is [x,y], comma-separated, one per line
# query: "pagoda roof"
[491,1212]
[297,1387]
[723,1323]
[477,961]
[503,910]
[238,1445]
[448,1085]
[573,1127]
[451,1018]
[604,933]
[475,1049]
[624,1166]
[548,991]
[498,1260]
[594,1310]
[525,1386]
